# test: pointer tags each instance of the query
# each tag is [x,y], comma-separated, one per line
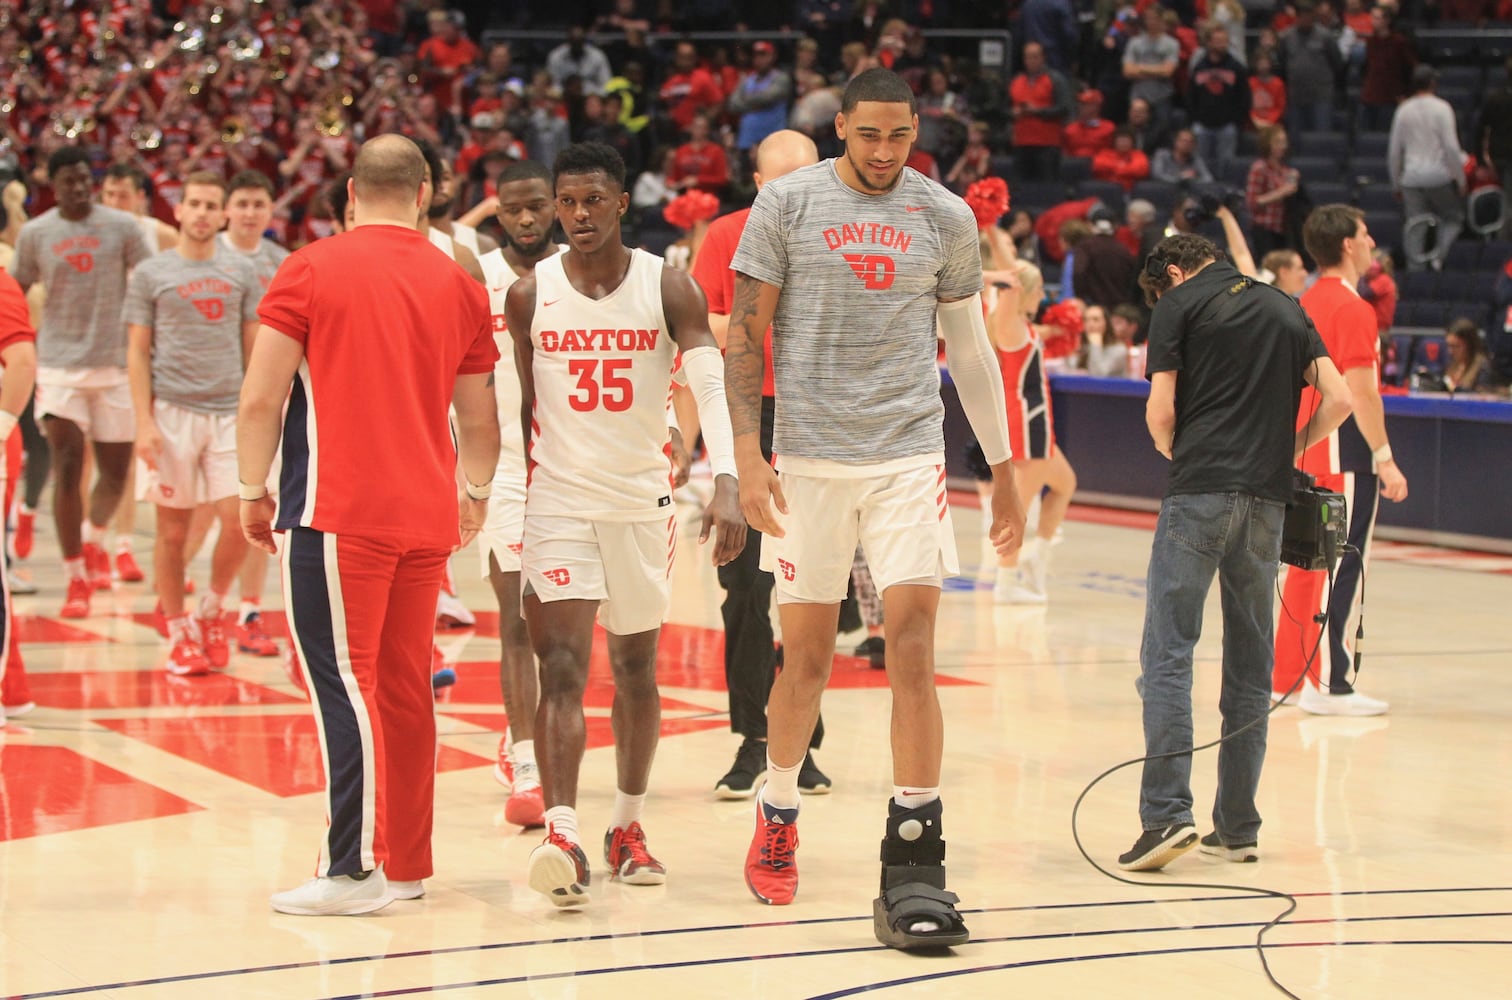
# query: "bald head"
[389,169]
[782,153]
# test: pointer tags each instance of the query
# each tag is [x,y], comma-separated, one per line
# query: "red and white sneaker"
[97,566]
[771,868]
[452,613]
[76,603]
[26,533]
[625,851]
[126,568]
[294,671]
[526,806]
[15,692]
[187,659]
[504,772]
[214,641]
[559,871]
[252,640]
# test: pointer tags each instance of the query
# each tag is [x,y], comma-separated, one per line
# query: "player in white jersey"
[443,201]
[853,263]
[527,214]
[125,188]
[596,330]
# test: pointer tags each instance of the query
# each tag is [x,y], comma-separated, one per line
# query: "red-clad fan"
[18,358]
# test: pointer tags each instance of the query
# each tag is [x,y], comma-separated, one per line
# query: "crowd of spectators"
[1196,95]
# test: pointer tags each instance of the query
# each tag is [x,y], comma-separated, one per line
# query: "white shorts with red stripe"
[499,541]
[624,565]
[900,518]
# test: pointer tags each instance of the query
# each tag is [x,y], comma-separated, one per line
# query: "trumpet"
[189,39]
[71,125]
[145,137]
[246,46]
[236,129]
[332,121]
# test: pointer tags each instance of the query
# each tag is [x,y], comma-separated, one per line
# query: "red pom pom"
[988,199]
[690,208]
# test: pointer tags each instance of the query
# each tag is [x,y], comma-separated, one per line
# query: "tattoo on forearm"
[744,362]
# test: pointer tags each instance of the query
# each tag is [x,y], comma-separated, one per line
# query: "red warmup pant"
[361,613]
[12,670]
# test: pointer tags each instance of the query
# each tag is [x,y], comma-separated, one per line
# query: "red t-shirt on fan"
[388,322]
[1347,324]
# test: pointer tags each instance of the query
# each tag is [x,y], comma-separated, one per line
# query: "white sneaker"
[336,895]
[1034,567]
[1011,588]
[406,890]
[452,613]
[21,584]
[1317,702]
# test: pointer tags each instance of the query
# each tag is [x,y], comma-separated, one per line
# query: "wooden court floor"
[145,820]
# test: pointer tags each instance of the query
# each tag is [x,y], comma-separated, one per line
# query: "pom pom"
[686,210]
[988,199]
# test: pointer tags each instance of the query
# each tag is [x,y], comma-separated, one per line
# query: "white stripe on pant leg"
[371,777]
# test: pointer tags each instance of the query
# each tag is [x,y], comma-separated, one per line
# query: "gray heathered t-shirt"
[196,310]
[853,339]
[1144,50]
[84,266]
[265,259]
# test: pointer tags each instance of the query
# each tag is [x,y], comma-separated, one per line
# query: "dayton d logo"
[875,270]
[211,309]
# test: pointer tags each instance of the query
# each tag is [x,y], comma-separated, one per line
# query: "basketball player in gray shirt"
[853,262]
[191,315]
[81,251]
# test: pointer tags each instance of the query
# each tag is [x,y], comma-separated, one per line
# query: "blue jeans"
[1217,147]
[1238,537]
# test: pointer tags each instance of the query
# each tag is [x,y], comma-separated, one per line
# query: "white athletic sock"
[523,753]
[249,606]
[123,543]
[93,535]
[781,788]
[211,604]
[180,628]
[74,568]
[913,798]
[563,820]
[627,810]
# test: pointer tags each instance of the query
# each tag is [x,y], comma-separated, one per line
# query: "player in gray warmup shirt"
[191,314]
[853,262]
[82,252]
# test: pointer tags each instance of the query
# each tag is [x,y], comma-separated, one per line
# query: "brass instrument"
[71,125]
[145,137]
[233,130]
[327,60]
[246,46]
[332,120]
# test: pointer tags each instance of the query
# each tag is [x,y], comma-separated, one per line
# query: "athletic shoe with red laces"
[504,764]
[187,659]
[126,568]
[771,868]
[559,871]
[97,566]
[526,805]
[625,851]
[252,640]
[76,603]
[213,638]
[26,533]
[15,692]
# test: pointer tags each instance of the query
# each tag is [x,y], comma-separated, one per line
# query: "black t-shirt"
[1240,350]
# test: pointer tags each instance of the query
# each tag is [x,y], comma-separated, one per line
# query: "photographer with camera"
[1227,360]
[1356,462]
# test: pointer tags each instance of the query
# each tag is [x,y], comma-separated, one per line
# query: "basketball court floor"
[144,820]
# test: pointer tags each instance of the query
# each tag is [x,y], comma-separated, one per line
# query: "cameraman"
[1226,360]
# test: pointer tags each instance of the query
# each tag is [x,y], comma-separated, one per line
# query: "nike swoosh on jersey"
[548,305]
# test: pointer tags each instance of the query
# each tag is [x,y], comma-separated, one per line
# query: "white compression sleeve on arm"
[978,379]
[704,367]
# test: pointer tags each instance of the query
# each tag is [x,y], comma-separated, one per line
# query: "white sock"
[563,820]
[523,753]
[211,604]
[74,568]
[123,543]
[627,810]
[180,628]
[781,789]
[249,607]
[913,798]
[93,535]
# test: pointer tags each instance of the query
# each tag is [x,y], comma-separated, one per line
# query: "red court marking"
[36,628]
[55,790]
[276,753]
[89,689]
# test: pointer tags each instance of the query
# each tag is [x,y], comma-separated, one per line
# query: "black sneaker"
[1241,853]
[811,780]
[750,764]
[1157,848]
[874,648]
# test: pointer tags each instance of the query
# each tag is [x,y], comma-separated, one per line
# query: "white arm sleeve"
[704,367]
[978,379]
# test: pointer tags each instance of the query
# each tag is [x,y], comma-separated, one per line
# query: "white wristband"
[7,424]
[480,492]
[250,492]
[1382,455]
